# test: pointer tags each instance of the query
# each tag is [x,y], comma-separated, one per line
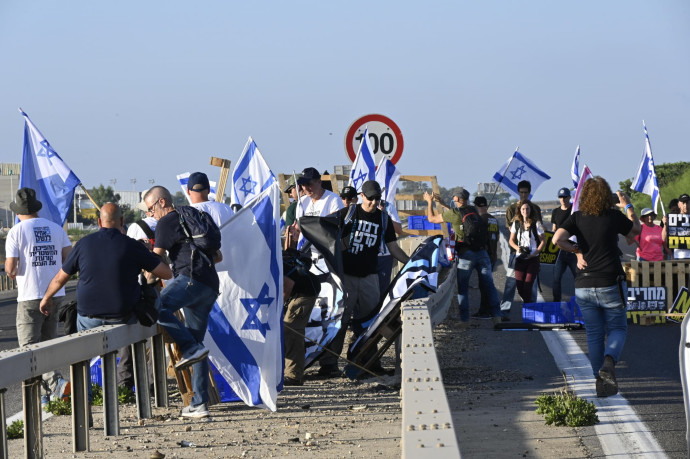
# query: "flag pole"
[89,196]
[503,175]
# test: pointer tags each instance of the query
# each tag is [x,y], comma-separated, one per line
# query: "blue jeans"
[86,323]
[565,260]
[604,313]
[480,261]
[196,299]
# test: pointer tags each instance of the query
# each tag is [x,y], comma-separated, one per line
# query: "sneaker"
[329,372]
[62,390]
[481,315]
[192,359]
[607,376]
[199,411]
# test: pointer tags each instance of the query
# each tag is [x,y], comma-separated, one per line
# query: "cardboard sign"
[550,253]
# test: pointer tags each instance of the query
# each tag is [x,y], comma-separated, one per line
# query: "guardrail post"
[141,380]
[3,426]
[160,379]
[79,374]
[33,427]
[111,413]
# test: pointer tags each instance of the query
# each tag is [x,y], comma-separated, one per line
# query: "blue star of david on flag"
[248,186]
[251,175]
[518,173]
[252,305]
[518,168]
[363,168]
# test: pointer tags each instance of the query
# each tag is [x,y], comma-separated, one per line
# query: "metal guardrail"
[7,283]
[27,364]
[427,423]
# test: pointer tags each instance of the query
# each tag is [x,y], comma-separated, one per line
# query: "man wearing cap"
[364,234]
[491,222]
[683,200]
[35,248]
[349,196]
[468,259]
[198,188]
[293,192]
[564,260]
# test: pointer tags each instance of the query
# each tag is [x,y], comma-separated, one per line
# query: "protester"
[673,207]
[524,189]
[527,239]
[108,263]
[198,189]
[194,290]
[491,222]
[349,196]
[300,291]
[291,209]
[600,286]
[368,229]
[564,260]
[651,242]
[35,248]
[471,249]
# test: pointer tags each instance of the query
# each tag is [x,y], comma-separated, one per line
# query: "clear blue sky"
[147,90]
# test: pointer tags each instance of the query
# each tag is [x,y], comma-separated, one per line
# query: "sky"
[144,91]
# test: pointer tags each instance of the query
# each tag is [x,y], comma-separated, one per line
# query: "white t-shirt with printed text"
[38,244]
[219,212]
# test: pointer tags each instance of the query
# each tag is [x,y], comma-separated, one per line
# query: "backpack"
[202,233]
[473,227]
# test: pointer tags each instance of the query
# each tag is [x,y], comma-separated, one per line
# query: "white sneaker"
[192,359]
[199,411]
[63,389]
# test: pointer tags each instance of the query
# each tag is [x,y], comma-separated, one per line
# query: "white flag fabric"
[575,168]
[184,177]
[387,175]
[586,175]
[645,179]
[363,168]
[245,333]
[518,168]
[47,174]
[251,175]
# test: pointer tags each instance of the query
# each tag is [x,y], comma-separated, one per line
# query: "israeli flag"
[645,180]
[387,175]
[45,172]
[245,333]
[586,175]
[184,177]
[575,168]
[363,168]
[518,168]
[251,175]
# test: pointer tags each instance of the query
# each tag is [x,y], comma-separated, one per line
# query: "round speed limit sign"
[385,138]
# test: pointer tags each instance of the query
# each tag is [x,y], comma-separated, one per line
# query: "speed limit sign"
[385,138]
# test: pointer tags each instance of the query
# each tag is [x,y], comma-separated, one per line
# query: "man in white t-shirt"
[144,229]
[35,248]
[198,188]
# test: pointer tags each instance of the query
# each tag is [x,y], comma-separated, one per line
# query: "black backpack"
[202,233]
[473,227]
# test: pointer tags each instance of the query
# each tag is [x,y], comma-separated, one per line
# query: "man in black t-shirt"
[491,222]
[363,236]
[565,260]
[194,289]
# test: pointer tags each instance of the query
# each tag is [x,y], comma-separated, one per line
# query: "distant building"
[9,184]
[131,198]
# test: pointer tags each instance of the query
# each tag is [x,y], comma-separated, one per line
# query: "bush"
[124,395]
[15,430]
[60,407]
[564,408]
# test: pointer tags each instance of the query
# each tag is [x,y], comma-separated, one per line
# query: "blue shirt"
[109,264]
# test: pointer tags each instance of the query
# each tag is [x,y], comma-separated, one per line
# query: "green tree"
[101,195]
[179,199]
[130,215]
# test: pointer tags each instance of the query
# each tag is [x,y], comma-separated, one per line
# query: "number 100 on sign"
[385,138]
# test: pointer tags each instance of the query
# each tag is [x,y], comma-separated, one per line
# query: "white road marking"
[620,432]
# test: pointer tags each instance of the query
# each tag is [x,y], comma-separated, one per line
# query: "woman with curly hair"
[600,286]
[527,239]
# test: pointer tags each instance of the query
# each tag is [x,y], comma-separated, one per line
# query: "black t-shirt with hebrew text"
[363,236]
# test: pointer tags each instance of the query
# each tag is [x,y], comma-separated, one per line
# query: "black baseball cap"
[348,192]
[198,181]
[371,189]
[564,193]
[684,198]
[462,193]
[480,201]
[308,175]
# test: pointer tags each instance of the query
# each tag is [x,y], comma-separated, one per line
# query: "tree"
[179,199]
[101,195]
[130,215]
